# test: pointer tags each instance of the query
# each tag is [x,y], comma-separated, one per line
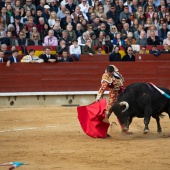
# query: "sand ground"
[50,138]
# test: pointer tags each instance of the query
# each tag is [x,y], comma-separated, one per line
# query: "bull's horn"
[125,104]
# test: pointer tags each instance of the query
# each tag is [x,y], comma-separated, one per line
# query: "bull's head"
[120,110]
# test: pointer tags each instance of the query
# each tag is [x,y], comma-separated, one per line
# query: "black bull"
[143,101]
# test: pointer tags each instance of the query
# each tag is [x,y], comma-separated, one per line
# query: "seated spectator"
[142,40]
[65,57]
[21,40]
[75,50]
[44,31]
[4,49]
[152,28]
[65,36]
[24,29]
[108,47]
[143,50]
[71,32]
[163,32]
[129,56]
[34,31]
[57,31]
[54,6]
[167,40]
[18,25]
[2,31]
[30,24]
[47,56]
[88,48]
[51,20]
[2,59]
[155,51]
[137,33]
[152,39]
[31,58]
[62,46]
[113,31]
[13,58]
[8,39]
[41,24]
[50,40]
[115,55]
[166,49]
[118,40]
[130,40]
[79,31]
[125,30]
[99,50]
[101,39]
[83,39]
[34,40]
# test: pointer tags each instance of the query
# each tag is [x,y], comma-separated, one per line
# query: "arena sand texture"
[50,138]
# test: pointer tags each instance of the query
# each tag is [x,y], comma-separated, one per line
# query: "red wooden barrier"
[77,76]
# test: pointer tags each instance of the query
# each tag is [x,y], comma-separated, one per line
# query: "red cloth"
[91,119]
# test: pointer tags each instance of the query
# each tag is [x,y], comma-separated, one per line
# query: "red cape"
[91,119]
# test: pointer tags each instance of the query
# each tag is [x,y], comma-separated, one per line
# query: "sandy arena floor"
[50,138]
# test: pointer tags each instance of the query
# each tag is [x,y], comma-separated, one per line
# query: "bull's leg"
[147,117]
[159,129]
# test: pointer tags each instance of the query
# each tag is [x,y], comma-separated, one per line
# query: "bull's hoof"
[146,131]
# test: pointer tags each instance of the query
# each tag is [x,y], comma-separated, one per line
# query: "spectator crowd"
[78,27]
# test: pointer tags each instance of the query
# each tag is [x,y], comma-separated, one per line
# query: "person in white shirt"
[75,50]
[84,6]
[31,58]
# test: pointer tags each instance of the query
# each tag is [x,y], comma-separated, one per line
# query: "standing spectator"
[47,56]
[75,50]
[88,48]
[129,56]
[13,58]
[115,55]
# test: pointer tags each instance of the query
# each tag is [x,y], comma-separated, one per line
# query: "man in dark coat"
[129,56]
